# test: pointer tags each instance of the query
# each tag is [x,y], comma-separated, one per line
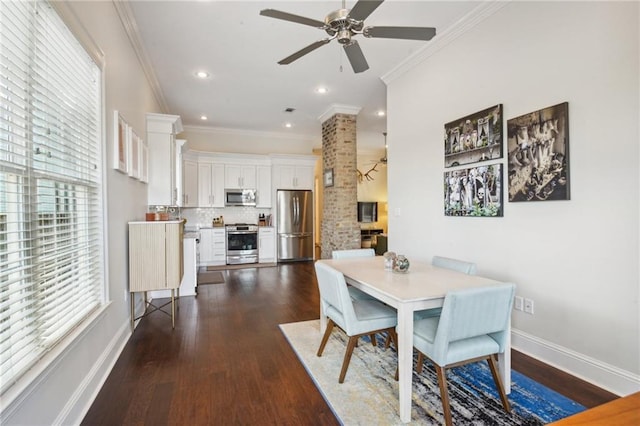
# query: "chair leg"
[442,381]
[496,378]
[420,362]
[347,357]
[373,339]
[387,341]
[393,337]
[327,333]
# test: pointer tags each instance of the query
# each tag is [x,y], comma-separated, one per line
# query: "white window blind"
[51,239]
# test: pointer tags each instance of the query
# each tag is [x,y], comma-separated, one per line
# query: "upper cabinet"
[238,176]
[263,176]
[161,137]
[293,171]
[215,172]
[293,177]
[190,183]
[210,184]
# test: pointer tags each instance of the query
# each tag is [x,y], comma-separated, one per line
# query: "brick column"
[339,228]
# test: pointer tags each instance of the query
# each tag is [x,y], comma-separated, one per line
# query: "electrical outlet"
[528,306]
[519,303]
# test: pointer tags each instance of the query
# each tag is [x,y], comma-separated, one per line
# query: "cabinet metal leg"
[173,309]
[133,314]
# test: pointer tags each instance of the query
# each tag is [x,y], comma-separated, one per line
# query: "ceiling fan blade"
[356,57]
[272,13]
[406,33]
[300,53]
[363,8]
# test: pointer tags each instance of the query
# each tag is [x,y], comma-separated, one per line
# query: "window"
[51,239]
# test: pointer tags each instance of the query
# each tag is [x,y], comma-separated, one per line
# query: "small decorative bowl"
[401,265]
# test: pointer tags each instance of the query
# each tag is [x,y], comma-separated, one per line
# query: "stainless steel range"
[242,243]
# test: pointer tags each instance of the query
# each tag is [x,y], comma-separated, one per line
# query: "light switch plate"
[518,303]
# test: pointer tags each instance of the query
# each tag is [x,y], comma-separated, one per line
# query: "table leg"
[405,361]
[504,363]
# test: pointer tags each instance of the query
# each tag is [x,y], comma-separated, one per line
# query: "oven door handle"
[242,232]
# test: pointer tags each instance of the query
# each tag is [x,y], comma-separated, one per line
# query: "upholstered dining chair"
[355,317]
[447,263]
[473,326]
[351,253]
[468,268]
[454,264]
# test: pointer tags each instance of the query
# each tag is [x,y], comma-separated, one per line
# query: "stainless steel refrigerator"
[294,216]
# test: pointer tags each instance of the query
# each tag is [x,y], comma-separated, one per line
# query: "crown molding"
[481,12]
[242,132]
[338,109]
[131,28]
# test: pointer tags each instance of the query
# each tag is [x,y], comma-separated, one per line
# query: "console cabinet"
[155,259]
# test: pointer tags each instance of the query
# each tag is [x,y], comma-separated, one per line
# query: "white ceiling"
[247,89]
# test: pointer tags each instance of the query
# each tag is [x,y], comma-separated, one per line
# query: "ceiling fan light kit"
[343,24]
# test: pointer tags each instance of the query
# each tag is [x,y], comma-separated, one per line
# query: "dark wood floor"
[227,362]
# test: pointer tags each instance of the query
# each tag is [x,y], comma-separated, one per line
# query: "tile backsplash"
[204,216]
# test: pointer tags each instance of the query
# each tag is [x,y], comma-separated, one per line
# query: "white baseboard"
[98,376]
[603,375]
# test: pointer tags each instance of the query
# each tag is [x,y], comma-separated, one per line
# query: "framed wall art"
[475,191]
[144,162]
[474,138]
[134,154]
[538,155]
[120,143]
[328,178]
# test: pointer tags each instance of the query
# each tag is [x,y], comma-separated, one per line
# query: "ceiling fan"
[343,24]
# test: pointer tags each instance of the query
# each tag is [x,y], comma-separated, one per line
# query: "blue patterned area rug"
[369,395]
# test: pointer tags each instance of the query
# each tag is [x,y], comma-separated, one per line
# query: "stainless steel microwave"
[240,197]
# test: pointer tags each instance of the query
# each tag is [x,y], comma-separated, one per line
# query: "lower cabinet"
[213,247]
[266,245]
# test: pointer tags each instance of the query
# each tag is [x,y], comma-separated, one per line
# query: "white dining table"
[424,286]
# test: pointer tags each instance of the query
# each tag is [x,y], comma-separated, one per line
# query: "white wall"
[63,393]
[209,139]
[578,259]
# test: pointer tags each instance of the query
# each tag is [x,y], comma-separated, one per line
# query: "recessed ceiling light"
[380,113]
[202,74]
[203,117]
[322,90]
[288,125]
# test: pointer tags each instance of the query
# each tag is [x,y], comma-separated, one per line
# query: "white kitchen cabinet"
[189,183]
[213,246]
[263,176]
[266,244]
[237,176]
[291,176]
[162,188]
[210,184]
